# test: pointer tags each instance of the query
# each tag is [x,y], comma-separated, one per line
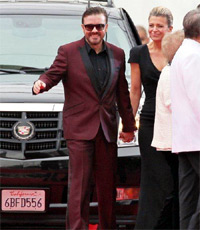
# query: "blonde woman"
[147,62]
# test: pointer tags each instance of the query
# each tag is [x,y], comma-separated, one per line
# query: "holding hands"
[126,136]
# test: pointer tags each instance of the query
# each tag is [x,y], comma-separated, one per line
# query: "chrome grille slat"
[31,115]
[5,134]
[10,146]
[10,114]
[7,124]
[41,146]
[63,144]
[46,135]
[45,124]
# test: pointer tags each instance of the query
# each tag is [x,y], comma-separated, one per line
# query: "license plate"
[22,200]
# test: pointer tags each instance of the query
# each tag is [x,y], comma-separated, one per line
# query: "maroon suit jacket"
[84,110]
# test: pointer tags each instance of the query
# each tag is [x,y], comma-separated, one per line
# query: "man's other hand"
[38,86]
[126,136]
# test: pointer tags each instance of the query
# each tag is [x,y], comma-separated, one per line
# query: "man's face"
[94,34]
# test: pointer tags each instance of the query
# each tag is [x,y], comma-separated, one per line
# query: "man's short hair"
[191,24]
[171,42]
[142,28]
[93,11]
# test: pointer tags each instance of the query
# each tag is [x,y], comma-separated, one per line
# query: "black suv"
[33,155]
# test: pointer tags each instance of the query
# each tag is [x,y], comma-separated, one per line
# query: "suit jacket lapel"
[112,70]
[90,69]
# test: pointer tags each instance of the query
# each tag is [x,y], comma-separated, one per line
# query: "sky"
[139,9]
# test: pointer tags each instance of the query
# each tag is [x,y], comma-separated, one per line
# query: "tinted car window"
[33,40]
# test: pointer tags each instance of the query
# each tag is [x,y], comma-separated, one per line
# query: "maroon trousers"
[85,158]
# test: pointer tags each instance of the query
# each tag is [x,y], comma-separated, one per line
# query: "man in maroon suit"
[92,72]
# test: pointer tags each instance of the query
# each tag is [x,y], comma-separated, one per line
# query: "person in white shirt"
[162,125]
[185,99]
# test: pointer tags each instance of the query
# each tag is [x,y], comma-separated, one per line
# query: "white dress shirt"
[185,97]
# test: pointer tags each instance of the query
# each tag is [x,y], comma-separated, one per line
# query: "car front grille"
[42,115]
[47,126]
[10,146]
[6,124]
[10,114]
[46,135]
[41,146]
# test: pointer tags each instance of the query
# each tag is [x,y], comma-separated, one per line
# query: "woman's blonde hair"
[161,11]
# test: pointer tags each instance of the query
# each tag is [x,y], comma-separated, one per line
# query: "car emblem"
[24,130]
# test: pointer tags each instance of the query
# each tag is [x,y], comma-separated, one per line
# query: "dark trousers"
[86,158]
[189,190]
[159,180]
[169,217]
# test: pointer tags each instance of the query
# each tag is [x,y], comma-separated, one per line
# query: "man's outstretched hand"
[38,85]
